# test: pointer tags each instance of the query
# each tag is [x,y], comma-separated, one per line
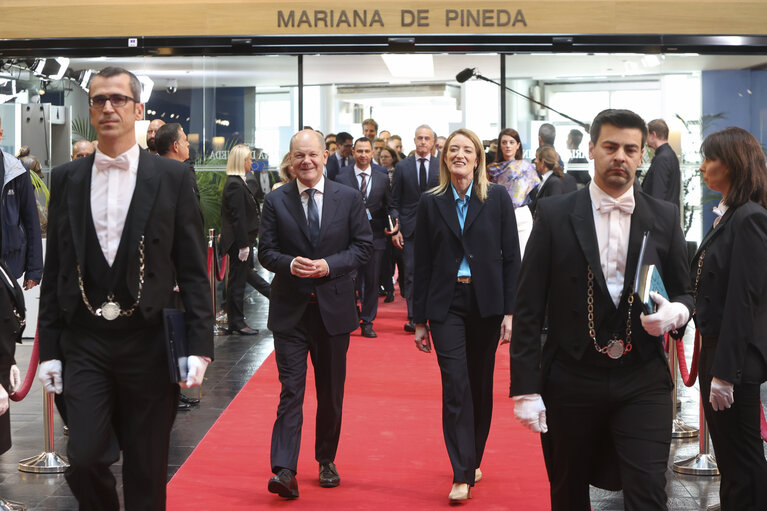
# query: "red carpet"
[391,455]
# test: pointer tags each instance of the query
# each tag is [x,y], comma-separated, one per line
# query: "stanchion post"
[704,463]
[47,462]
[678,428]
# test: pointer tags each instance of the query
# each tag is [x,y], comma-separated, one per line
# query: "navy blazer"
[345,243]
[554,185]
[333,165]
[730,304]
[489,242]
[378,202]
[553,279]
[406,192]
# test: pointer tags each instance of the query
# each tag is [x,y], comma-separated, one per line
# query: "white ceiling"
[276,71]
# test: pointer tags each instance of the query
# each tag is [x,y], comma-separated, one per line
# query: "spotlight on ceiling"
[51,68]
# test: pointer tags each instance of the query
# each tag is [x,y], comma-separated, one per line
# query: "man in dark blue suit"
[412,176]
[314,235]
[373,183]
[342,157]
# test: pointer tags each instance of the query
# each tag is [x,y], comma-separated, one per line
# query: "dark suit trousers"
[408,261]
[588,405]
[239,273]
[367,287]
[736,437]
[387,267]
[117,389]
[328,354]
[465,344]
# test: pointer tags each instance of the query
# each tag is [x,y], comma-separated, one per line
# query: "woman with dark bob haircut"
[729,278]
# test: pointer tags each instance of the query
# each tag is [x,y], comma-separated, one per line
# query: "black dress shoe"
[409,327]
[188,400]
[389,297]
[284,484]
[243,331]
[329,477]
[381,291]
[367,331]
[183,407]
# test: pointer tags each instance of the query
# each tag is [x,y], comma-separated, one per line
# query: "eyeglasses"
[117,100]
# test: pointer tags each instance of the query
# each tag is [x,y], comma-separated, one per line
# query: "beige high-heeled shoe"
[460,491]
[477,475]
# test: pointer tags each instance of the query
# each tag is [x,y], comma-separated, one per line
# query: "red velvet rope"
[763,424]
[221,270]
[31,373]
[688,376]
[220,267]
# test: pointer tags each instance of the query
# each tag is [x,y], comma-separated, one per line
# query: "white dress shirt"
[544,177]
[368,176]
[426,161]
[320,187]
[613,230]
[112,187]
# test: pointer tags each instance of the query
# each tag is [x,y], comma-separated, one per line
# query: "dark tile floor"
[237,358]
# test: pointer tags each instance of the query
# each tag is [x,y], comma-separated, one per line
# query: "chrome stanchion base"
[681,430]
[9,505]
[715,507]
[698,465]
[44,463]
[222,324]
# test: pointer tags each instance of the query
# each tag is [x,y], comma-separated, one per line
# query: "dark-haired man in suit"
[373,183]
[601,389]
[342,157]
[664,179]
[314,235]
[412,176]
[123,228]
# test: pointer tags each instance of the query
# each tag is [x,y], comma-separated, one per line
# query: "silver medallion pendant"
[615,349]
[110,310]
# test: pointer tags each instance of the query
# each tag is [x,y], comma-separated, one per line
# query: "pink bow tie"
[625,204]
[104,162]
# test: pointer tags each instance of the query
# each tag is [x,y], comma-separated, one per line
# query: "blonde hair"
[235,165]
[480,175]
[550,159]
[285,168]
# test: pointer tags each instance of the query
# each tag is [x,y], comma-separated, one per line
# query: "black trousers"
[241,272]
[465,344]
[387,267]
[328,355]
[118,395]
[588,406]
[736,436]
[408,262]
[367,287]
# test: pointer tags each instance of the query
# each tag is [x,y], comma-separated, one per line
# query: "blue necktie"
[313,218]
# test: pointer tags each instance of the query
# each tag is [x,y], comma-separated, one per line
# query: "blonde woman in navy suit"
[729,277]
[466,265]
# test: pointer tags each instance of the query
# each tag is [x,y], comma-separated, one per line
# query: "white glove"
[531,412]
[15,378]
[4,401]
[49,373]
[721,395]
[669,316]
[195,370]
[242,255]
